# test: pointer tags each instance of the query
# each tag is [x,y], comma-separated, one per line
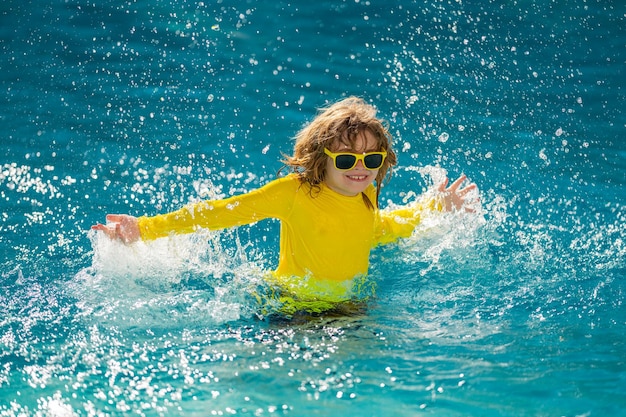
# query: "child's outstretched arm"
[454,197]
[120,226]
[401,222]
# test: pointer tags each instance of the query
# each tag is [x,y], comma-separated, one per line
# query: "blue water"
[139,107]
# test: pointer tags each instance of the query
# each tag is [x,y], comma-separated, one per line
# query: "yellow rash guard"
[323,234]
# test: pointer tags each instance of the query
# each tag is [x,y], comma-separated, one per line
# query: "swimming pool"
[140,107]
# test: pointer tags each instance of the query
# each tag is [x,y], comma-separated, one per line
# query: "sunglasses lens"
[345,161]
[373,161]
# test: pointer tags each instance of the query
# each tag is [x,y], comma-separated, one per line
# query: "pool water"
[140,107]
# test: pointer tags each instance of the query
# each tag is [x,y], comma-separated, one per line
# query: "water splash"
[169,282]
[478,276]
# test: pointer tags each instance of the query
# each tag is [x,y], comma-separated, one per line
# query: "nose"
[359,164]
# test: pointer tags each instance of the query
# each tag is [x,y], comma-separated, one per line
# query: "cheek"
[331,175]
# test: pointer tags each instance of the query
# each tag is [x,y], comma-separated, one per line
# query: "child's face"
[357,179]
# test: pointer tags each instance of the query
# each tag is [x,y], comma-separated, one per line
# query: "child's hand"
[454,197]
[120,226]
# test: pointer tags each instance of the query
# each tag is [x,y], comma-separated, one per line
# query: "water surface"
[141,107]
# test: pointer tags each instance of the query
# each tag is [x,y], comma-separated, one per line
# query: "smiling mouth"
[357,177]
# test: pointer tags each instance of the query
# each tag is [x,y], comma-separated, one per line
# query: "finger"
[456,184]
[442,186]
[106,229]
[115,218]
[467,189]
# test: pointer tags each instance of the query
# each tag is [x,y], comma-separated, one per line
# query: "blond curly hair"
[339,123]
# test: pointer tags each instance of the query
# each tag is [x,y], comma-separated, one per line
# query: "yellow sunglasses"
[345,161]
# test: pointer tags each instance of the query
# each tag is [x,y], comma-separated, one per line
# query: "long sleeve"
[272,200]
[400,223]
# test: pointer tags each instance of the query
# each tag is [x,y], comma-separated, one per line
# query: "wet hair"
[340,123]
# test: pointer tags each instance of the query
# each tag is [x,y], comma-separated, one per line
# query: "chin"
[357,186]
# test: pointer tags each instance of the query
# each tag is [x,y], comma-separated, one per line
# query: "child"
[327,206]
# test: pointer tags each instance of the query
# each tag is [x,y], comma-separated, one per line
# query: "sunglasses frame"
[357,157]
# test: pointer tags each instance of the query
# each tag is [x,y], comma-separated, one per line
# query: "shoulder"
[282,187]
[290,181]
